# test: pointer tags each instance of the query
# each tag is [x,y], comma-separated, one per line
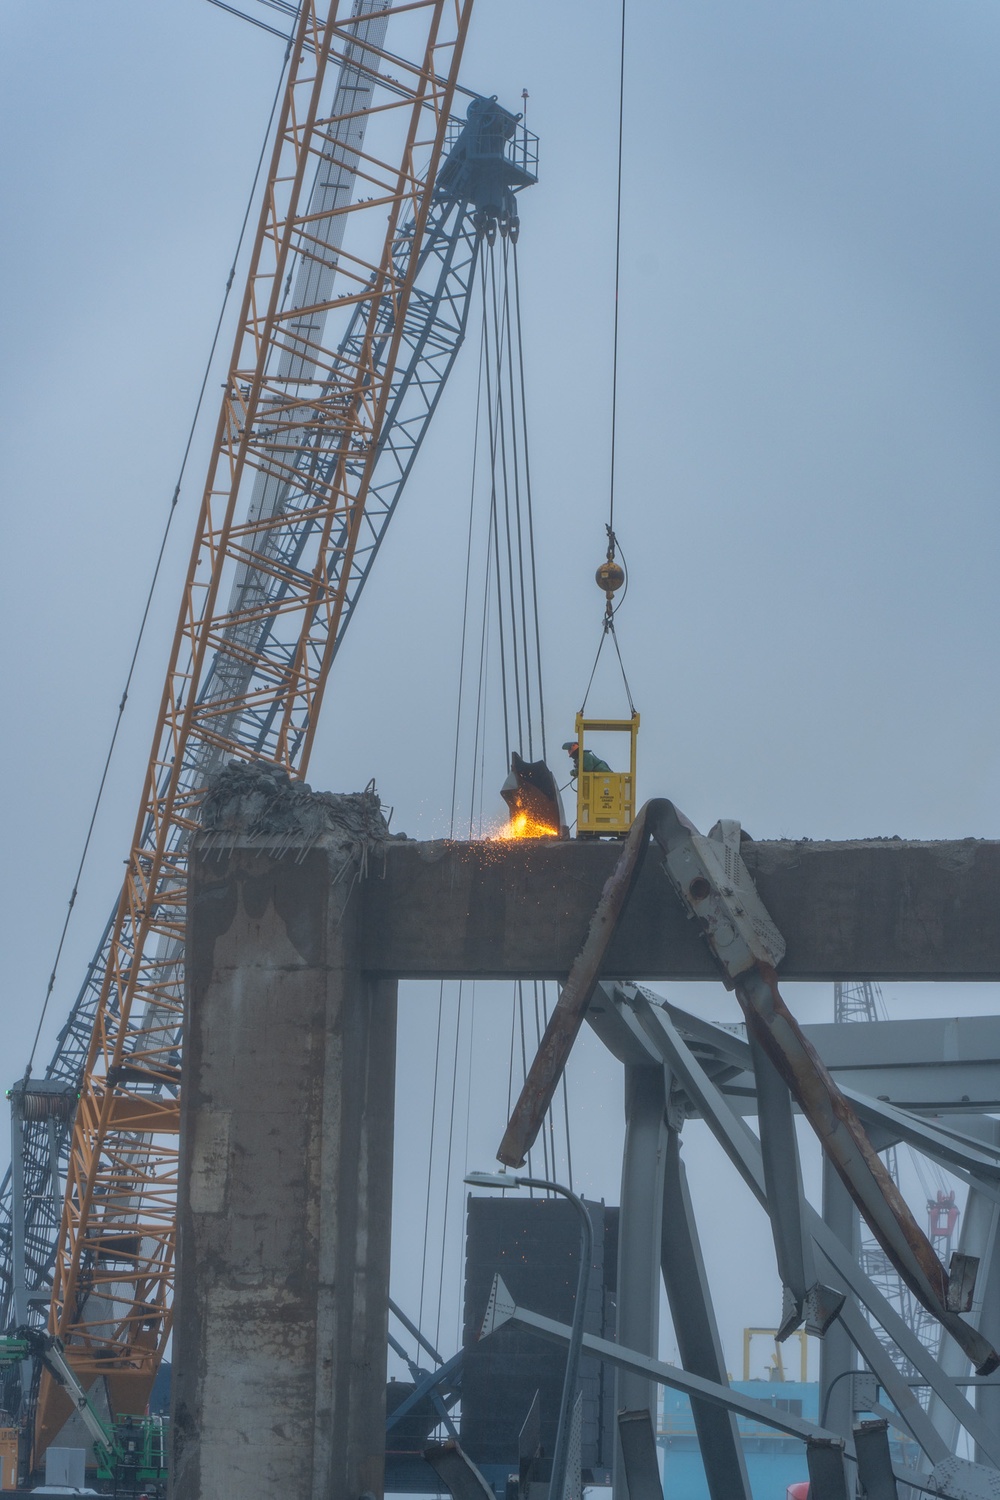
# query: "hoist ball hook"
[610,576]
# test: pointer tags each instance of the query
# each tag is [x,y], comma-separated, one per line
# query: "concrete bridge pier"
[287,1108]
[285,1181]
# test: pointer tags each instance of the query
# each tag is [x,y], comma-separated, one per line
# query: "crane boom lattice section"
[317,431]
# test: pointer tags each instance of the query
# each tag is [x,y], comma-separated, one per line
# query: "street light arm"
[560,1457]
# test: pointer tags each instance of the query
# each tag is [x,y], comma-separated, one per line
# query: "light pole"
[560,1458]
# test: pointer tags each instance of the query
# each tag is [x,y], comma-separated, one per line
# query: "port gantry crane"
[356,302]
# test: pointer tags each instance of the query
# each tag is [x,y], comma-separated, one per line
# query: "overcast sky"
[808,459]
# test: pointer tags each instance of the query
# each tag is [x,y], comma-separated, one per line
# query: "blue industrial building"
[773,1460]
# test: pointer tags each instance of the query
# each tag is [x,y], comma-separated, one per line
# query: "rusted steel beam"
[571,1007]
[717,892]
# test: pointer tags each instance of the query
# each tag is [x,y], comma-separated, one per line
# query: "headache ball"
[610,577]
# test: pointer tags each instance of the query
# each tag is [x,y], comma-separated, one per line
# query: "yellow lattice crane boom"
[280,550]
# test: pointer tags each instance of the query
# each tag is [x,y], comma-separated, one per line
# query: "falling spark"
[523,826]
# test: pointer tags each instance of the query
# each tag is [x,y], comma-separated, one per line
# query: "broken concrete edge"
[285,1169]
[261,806]
[259,801]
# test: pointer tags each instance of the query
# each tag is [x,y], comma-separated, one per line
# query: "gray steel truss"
[710,1072]
[948,1478]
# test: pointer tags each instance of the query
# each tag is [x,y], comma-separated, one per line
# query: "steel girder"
[646,1022]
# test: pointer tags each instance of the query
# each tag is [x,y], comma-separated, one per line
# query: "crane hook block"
[610,576]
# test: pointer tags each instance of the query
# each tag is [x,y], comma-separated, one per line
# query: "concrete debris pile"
[263,802]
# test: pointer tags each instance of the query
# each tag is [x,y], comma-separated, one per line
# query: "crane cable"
[618,262]
[518,537]
[451,832]
[614,547]
[509,630]
[171,512]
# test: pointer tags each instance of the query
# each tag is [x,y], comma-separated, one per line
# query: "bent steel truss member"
[715,886]
[631,1019]
[949,1477]
[716,889]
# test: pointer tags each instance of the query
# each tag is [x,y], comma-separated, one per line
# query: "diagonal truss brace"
[718,893]
[944,1480]
[653,1025]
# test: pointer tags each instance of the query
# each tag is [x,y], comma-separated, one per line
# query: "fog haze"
[806,492]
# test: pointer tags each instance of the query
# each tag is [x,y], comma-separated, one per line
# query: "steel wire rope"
[515,557]
[447,1170]
[516,469]
[430,1159]
[479,740]
[468,1112]
[465,597]
[498,442]
[538,650]
[255,20]
[501,446]
[495,423]
[496,546]
[565,1093]
[451,822]
[618,258]
[505,456]
[538,647]
[528,497]
[519,988]
[608,627]
[171,512]
[549,1165]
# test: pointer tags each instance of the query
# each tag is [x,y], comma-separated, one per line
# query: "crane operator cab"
[605,799]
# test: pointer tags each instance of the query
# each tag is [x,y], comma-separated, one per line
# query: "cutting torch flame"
[523,826]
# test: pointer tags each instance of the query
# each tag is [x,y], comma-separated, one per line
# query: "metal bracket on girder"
[456,1469]
[717,889]
[499,1309]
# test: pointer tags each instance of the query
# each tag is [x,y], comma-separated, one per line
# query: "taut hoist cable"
[618,261]
[605,798]
[157,567]
[611,576]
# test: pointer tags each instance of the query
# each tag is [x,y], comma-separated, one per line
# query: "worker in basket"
[591,762]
